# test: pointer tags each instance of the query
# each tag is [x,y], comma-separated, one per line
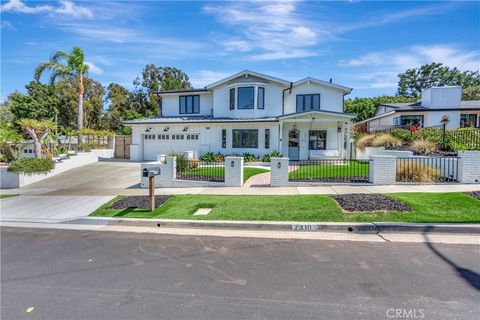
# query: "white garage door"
[165,143]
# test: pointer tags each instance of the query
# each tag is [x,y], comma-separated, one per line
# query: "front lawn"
[427,207]
[329,169]
[4,196]
[220,172]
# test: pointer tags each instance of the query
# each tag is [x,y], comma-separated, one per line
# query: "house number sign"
[304,227]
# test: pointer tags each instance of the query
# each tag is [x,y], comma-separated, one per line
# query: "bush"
[386,140]
[273,154]
[365,141]
[423,146]
[403,134]
[249,157]
[208,157]
[218,157]
[183,164]
[31,165]
[406,172]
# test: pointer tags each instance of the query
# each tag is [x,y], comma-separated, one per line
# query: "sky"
[359,44]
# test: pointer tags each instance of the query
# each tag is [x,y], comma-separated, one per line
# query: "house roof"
[182,91]
[249,72]
[325,83]
[196,119]
[318,112]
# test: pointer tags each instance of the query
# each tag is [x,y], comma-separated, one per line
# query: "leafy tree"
[365,108]
[93,102]
[6,115]
[8,138]
[471,93]
[37,131]
[39,103]
[144,97]
[413,81]
[119,100]
[67,65]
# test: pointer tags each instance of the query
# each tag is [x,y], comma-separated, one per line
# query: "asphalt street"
[68,274]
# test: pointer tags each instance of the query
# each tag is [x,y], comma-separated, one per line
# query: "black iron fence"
[200,170]
[427,170]
[329,170]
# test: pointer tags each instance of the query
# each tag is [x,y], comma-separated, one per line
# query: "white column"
[348,141]
[233,171]
[383,170]
[468,166]
[279,172]
[280,137]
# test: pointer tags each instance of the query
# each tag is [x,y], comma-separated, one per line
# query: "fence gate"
[122,147]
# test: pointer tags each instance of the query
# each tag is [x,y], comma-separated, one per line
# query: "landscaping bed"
[425,207]
[369,203]
[474,194]
[142,202]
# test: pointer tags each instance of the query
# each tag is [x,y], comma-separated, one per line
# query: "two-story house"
[248,112]
[435,104]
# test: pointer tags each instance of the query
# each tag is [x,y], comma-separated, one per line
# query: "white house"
[435,103]
[248,112]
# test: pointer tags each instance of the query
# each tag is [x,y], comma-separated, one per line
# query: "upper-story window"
[189,104]
[261,98]
[232,99]
[246,97]
[307,102]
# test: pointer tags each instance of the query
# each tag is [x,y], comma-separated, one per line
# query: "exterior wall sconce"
[148,129]
[185,129]
[279,165]
[232,164]
[166,129]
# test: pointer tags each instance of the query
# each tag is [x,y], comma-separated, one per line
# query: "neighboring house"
[435,103]
[248,112]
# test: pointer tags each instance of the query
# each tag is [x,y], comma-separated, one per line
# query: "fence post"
[468,167]
[167,176]
[382,169]
[279,172]
[233,171]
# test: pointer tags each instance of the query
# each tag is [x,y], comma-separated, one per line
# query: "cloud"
[93,68]
[67,8]
[7,25]
[380,69]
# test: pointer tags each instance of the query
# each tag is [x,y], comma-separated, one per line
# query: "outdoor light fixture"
[148,129]
[166,129]
[185,129]
[232,164]
[279,165]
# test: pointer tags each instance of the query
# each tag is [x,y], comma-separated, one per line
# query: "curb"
[293,226]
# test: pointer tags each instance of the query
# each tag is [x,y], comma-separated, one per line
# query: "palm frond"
[58,56]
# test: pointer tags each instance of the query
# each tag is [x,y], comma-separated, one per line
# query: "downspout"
[283,96]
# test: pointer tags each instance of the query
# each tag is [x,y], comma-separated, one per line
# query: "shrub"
[31,165]
[183,164]
[218,157]
[386,140]
[457,146]
[207,157]
[403,134]
[249,157]
[273,154]
[365,141]
[408,172]
[423,146]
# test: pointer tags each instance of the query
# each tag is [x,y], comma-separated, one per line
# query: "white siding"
[170,104]
[331,99]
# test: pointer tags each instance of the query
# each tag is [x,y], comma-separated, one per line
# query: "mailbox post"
[151,173]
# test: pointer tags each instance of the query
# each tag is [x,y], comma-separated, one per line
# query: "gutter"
[283,96]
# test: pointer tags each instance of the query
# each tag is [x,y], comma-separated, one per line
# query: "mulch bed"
[359,202]
[142,202]
[475,194]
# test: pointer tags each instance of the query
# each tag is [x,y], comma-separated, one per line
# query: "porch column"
[347,156]
[280,134]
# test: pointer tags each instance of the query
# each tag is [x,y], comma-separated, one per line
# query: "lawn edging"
[294,226]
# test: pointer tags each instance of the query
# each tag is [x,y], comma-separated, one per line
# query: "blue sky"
[360,44]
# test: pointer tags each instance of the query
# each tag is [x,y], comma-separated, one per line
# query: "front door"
[294,145]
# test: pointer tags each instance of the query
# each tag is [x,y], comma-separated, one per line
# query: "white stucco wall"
[331,99]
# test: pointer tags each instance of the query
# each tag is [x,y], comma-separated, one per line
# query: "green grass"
[220,172]
[352,169]
[4,196]
[427,207]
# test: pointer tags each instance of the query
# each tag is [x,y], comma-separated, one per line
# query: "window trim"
[311,97]
[267,139]
[192,96]
[238,98]
[224,138]
[326,137]
[232,95]
[249,133]
[475,124]
[263,98]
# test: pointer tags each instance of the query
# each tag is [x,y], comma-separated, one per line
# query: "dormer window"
[246,97]
[308,102]
[189,104]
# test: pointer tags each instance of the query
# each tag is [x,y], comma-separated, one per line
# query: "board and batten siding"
[331,99]
[170,104]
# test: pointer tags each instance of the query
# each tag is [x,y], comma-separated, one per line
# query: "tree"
[144,97]
[119,102]
[8,138]
[413,81]
[93,100]
[39,103]
[6,115]
[67,65]
[365,108]
[37,131]
[471,93]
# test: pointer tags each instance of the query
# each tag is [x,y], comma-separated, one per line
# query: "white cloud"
[7,25]
[67,8]
[380,69]
[92,68]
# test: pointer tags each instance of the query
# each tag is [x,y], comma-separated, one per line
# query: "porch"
[315,135]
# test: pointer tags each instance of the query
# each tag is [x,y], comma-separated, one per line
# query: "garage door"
[155,144]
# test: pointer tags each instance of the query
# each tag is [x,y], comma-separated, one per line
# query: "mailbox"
[150,172]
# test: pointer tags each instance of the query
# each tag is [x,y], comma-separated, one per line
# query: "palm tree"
[65,65]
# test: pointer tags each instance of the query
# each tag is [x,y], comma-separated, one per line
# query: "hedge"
[31,165]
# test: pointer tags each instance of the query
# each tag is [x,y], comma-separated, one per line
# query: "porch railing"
[200,170]
[329,170]
[427,170]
